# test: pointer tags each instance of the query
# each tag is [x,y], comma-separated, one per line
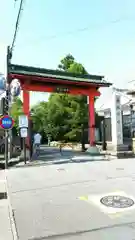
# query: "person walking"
[36,144]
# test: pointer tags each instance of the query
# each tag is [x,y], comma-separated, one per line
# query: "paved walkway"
[63,201]
[52,155]
[5,221]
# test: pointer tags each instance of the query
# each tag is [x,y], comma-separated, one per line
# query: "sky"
[100,34]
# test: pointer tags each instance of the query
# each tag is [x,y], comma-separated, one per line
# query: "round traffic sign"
[6,122]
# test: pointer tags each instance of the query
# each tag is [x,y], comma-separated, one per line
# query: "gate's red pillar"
[91,121]
[26,102]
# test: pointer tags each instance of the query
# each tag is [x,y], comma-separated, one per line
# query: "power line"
[87,28]
[17,25]
[83,29]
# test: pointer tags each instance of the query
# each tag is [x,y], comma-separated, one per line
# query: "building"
[128,118]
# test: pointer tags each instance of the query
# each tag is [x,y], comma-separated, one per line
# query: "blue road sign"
[6,122]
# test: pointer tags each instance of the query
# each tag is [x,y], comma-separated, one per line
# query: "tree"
[64,117]
[16,110]
[66,62]
[78,104]
[77,68]
[57,116]
[49,117]
[39,116]
[80,116]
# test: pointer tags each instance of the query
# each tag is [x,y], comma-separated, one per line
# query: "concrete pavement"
[63,201]
[6,226]
[52,155]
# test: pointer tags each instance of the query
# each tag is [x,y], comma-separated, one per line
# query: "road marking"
[115,215]
[110,211]
[84,198]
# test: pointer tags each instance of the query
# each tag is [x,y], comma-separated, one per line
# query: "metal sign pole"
[6,149]
[24,150]
[6,123]
[23,134]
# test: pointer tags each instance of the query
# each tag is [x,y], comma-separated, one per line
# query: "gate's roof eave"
[47,73]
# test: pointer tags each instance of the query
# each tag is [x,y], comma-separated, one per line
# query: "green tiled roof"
[42,72]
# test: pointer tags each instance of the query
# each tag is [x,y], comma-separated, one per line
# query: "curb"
[72,159]
[11,213]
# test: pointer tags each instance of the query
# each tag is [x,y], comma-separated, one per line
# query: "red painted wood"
[45,80]
[44,87]
[72,90]
[40,88]
[37,88]
[26,102]
[75,91]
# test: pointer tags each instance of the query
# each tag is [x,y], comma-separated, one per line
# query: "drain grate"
[3,195]
[117,201]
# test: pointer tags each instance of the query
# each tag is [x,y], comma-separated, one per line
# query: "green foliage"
[63,116]
[39,116]
[16,110]
[77,68]
[66,62]
[78,111]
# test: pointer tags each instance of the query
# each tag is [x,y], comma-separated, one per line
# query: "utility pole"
[6,112]
[9,56]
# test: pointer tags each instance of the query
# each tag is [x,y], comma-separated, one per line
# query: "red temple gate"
[44,80]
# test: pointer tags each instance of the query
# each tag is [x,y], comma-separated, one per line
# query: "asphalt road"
[53,153]
[63,201]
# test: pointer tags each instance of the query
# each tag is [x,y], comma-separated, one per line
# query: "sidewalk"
[6,232]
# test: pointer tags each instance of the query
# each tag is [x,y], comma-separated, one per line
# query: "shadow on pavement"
[54,156]
[58,162]
[10,164]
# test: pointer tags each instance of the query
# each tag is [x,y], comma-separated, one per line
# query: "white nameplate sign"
[23,121]
[116,120]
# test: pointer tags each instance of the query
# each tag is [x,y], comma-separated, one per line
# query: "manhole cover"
[117,201]
[3,195]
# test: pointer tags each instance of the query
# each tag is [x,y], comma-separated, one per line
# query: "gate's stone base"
[121,147]
[93,150]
